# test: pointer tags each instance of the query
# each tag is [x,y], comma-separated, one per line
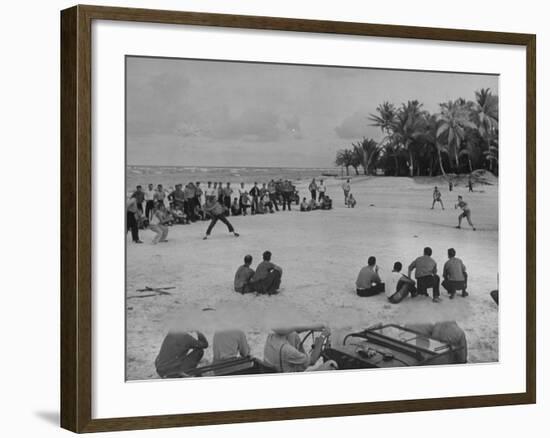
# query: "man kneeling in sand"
[180,352]
[368,281]
[398,286]
[284,350]
[267,278]
[243,276]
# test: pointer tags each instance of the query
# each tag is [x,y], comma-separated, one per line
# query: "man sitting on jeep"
[284,350]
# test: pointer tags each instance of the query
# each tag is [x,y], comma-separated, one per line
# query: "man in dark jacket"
[180,352]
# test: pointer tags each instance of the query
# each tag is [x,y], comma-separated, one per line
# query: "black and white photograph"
[286,218]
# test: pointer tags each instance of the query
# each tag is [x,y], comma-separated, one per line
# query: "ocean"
[169,176]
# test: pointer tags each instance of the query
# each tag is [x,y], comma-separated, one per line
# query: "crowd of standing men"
[156,207]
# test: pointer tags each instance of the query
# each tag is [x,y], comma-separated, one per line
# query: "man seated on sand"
[181,351]
[243,276]
[229,344]
[426,274]
[454,275]
[284,350]
[304,205]
[266,202]
[351,201]
[326,203]
[368,281]
[398,286]
[267,278]
[448,332]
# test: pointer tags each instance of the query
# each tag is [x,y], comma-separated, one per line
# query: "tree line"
[461,137]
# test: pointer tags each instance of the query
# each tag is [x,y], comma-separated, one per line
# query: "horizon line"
[233,167]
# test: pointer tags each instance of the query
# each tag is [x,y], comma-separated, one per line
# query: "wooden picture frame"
[76,217]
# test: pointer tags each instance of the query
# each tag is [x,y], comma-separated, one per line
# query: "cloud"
[353,126]
[252,125]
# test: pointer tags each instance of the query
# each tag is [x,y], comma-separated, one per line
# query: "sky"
[183,112]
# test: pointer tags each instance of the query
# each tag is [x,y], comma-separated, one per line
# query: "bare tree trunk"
[396,165]
[356,170]
[440,162]
[470,164]
[347,170]
[411,164]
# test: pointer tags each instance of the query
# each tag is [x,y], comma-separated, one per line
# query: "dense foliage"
[460,138]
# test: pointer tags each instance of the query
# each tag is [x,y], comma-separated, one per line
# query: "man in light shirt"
[398,286]
[284,350]
[209,192]
[149,200]
[322,188]
[229,344]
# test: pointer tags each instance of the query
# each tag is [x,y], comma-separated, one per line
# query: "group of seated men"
[182,351]
[324,203]
[266,280]
[398,286]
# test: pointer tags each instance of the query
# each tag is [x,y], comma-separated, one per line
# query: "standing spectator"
[313,189]
[160,194]
[132,213]
[454,275]
[189,194]
[272,189]
[287,191]
[346,187]
[139,197]
[245,203]
[426,274]
[255,194]
[470,183]
[198,195]
[322,190]
[220,192]
[236,207]
[149,201]
[210,192]
[227,192]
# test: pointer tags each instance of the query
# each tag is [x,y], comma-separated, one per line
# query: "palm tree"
[385,118]
[408,126]
[356,159]
[486,118]
[344,157]
[368,150]
[432,138]
[454,119]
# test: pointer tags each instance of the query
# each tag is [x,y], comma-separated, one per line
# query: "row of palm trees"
[461,137]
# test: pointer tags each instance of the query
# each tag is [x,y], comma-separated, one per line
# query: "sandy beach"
[321,253]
